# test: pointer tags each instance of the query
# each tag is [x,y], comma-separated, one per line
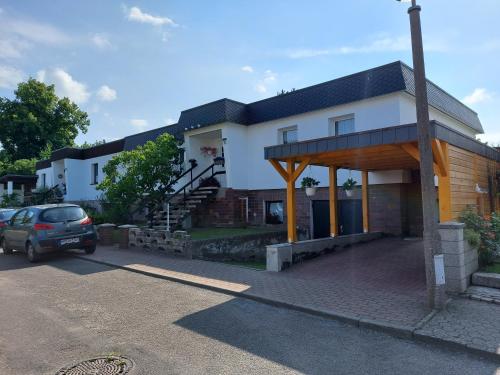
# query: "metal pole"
[436,293]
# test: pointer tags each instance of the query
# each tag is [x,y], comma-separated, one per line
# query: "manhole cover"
[109,365]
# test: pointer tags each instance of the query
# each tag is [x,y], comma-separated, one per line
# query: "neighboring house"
[20,185]
[252,191]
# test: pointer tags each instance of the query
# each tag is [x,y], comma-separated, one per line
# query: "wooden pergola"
[391,148]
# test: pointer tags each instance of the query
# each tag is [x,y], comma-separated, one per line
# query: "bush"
[11,200]
[483,233]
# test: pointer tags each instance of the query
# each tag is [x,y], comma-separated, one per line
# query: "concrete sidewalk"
[464,324]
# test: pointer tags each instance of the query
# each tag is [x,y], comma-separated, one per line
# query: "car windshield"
[7,214]
[63,214]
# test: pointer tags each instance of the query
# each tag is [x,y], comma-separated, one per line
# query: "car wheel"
[6,250]
[33,256]
[90,250]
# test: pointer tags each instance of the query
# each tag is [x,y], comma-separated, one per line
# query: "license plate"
[68,241]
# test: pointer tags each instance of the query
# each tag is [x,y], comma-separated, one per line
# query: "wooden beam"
[332,195]
[439,157]
[276,164]
[303,164]
[444,188]
[412,150]
[364,196]
[291,218]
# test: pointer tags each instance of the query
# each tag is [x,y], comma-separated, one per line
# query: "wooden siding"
[466,170]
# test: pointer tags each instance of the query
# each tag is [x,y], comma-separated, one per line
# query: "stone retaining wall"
[178,242]
[239,248]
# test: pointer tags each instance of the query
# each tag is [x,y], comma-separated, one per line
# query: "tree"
[148,170]
[37,119]
[21,166]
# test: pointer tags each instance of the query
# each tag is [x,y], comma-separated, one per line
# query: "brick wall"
[394,208]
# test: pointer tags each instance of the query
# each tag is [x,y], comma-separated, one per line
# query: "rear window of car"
[62,214]
[6,215]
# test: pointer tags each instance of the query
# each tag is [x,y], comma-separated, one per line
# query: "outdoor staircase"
[184,201]
[180,208]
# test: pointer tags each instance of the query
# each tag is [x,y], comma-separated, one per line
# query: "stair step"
[196,196]
[208,188]
[193,200]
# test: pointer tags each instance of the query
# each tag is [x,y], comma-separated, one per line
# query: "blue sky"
[135,65]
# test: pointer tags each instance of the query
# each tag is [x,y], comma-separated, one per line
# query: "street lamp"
[432,248]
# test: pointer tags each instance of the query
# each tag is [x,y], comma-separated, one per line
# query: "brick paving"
[381,281]
[471,323]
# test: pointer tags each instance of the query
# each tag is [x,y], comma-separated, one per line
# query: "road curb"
[393,330]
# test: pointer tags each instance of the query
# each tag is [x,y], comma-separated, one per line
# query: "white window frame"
[282,131]
[332,123]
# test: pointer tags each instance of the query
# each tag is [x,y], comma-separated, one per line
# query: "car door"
[13,233]
[26,226]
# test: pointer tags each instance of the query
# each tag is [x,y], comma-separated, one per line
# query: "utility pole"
[436,293]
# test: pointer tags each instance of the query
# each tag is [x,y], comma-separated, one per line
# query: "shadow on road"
[62,261]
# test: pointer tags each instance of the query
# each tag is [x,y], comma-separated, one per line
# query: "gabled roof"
[382,80]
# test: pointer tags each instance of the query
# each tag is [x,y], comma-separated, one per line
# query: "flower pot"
[310,191]
[348,193]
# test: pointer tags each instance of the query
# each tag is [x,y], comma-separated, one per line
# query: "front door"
[350,215]
[321,218]
[14,232]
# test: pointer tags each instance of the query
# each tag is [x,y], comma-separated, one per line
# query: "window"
[288,135]
[341,125]
[63,214]
[44,179]
[95,174]
[274,212]
[17,219]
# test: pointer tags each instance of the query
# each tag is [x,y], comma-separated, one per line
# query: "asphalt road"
[65,309]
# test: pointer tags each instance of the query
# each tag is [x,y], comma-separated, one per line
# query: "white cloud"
[493,139]
[101,41]
[34,31]
[477,96]
[381,43]
[65,85]
[263,85]
[169,121]
[260,88]
[137,15]
[269,76]
[139,123]
[106,93]
[17,35]
[306,53]
[12,48]
[10,77]
[247,69]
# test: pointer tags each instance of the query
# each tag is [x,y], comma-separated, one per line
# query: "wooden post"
[364,194]
[444,188]
[290,203]
[333,201]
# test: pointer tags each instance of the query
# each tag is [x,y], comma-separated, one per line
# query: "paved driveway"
[380,281]
[65,309]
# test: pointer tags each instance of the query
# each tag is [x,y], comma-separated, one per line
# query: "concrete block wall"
[460,258]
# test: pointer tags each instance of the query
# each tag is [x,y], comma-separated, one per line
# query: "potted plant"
[348,185]
[309,184]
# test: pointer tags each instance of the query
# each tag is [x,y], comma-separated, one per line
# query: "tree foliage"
[21,166]
[36,119]
[147,170]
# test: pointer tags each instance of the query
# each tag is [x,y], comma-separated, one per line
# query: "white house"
[251,189]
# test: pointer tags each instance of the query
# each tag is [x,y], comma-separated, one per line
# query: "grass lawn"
[212,233]
[494,268]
